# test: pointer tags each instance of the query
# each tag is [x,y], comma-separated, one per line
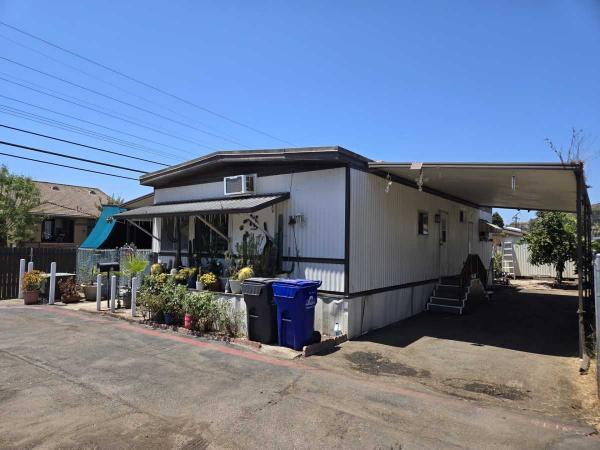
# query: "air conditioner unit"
[239,184]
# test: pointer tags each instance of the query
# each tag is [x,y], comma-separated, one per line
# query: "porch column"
[580,309]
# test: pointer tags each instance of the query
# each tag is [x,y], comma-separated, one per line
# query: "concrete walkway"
[75,380]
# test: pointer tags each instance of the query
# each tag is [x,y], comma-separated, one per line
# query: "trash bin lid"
[261,280]
[297,283]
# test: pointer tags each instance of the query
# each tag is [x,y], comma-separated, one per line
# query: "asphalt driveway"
[75,380]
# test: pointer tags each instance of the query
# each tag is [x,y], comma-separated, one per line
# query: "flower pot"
[157,317]
[199,286]
[90,292]
[74,299]
[189,322]
[171,318]
[235,286]
[224,283]
[31,297]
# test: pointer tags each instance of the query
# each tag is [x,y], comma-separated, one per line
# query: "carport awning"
[545,186]
[234,205]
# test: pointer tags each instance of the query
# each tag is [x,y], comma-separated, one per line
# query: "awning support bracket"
[212,227]
[142,229]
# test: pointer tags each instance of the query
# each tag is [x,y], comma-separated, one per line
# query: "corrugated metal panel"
[331,275]
[523,268]
[226,205]
[385,247]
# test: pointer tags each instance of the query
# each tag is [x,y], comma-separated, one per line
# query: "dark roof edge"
[249,155]
[480,165]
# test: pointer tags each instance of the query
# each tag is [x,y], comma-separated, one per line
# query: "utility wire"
[16,112]
[113,85]
[80,145]
[131,105]
[114,116]
[62,155]
[93,123]
[69,167]
[143,83]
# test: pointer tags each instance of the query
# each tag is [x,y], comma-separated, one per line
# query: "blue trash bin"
[295,300]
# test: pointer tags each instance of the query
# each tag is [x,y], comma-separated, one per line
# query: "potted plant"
[209,281]
[173,306]
[191,310]
[90,289]
[32,282]
[133,266]
[199,283]
[69,293]
[243,274]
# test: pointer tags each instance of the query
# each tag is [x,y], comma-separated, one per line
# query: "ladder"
[508,259]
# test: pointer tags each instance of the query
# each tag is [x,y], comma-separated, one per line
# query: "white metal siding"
[523,268]
[318,195]
[385,247]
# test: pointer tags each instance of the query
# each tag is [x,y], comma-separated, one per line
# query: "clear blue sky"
[393,80]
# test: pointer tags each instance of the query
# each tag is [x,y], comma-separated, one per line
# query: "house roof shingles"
[66,200]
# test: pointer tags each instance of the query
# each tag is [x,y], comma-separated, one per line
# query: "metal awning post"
[580,269]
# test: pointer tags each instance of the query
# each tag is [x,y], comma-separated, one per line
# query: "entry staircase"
[452,294]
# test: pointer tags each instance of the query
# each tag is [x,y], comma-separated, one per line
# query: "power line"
[93,123]
[81,145]
[143,83]
[62,155]
[114,116]
[16,112]
[113,85]
[131,105]
[69,167]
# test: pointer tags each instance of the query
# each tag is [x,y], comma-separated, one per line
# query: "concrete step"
[448,291]
[447,301]
[444,308]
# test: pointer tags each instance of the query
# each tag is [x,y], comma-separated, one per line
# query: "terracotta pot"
[31,297]
[189,322]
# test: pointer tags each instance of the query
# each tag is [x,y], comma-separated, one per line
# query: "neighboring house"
[67,214]
[378,242]
[508,241]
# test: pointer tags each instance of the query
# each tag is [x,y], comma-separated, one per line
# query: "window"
[57,230]
[168,233]
[461,216]
[423,223]
[207,240]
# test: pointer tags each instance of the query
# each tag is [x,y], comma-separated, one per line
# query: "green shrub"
[229,319]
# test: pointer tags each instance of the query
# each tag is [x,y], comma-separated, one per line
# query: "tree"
[18,196]
[552,239]
[497,220]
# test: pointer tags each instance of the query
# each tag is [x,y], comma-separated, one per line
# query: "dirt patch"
[490,389]
[376,364]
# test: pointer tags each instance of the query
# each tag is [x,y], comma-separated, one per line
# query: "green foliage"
[185,274]
[497,220]
[134,265]
[596,246]
[18,196]
[552,239]
[497,262]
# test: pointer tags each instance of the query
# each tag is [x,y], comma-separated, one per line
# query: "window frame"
[422,225]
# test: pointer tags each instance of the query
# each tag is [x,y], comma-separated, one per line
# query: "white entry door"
[443,244]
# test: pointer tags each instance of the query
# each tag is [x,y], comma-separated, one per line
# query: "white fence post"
[30,266]
[98,292]
[113,292]
[21,274]
[597,305]
[134,282]
[52,288]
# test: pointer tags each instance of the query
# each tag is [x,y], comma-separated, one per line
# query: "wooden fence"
[65,258]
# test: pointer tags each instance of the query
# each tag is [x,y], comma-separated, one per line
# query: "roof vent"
[92,192]
[55,188]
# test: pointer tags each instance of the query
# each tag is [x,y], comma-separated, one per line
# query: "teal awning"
[103,227]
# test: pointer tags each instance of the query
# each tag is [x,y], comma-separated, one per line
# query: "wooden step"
[444,308]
